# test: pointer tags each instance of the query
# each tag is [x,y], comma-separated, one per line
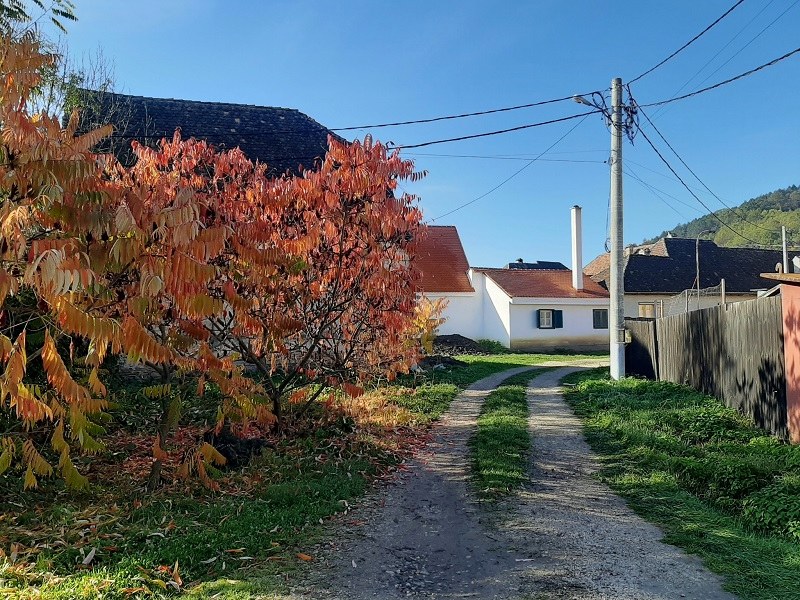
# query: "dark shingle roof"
[442,261]
[283,138]
[539,265]
[668,266]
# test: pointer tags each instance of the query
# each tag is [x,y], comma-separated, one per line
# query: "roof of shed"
[442,261]
[536,283]
[283,138]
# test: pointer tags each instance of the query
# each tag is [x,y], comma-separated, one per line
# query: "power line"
[696,197]
[661,192]
[721,83]
[513,175]
[490,133]
[720,51]
[688,168]
[758,35]
[459,116]
[687,44]
[503,157]
[653,191]
[372,126]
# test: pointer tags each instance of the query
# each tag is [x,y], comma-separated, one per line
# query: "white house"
[525,306]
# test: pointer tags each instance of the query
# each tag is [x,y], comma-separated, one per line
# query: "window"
[647,310]
[548,318]
[600,318]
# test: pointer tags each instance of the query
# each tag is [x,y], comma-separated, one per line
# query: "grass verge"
[717,486]
[251,539]
[502,442]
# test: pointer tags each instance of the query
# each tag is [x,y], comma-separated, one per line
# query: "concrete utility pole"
[616,317]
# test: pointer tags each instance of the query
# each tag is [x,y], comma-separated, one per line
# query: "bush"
[704,425]
[775,508]
[492,347]
[724,480]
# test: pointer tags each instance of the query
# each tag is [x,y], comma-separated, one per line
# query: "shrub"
[709,424]
[724,480]
[775,508]
[492,347]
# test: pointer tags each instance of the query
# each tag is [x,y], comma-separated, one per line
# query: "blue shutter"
[538,319]
[558,319]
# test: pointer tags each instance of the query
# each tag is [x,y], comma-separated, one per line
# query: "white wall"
[632,302]
[578,332]
[496,311]
[463,314]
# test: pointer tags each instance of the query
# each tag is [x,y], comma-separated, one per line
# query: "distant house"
[283,138]
[657,272]
[525,306]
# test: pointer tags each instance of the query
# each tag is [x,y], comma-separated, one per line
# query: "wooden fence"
[733,353]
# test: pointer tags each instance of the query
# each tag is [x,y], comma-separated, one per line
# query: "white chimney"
[577,243]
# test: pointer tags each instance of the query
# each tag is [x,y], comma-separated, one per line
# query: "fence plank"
[734,354]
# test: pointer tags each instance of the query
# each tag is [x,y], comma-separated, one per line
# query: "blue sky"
[357,62]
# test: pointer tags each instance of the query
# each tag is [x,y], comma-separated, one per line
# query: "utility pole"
[616,317]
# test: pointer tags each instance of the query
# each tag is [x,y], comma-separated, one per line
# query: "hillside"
[758,219]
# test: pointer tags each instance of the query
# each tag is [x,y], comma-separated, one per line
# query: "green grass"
[716,485]
[501,443]
[243,543]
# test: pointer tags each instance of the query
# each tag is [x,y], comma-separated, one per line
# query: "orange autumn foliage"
[188,260]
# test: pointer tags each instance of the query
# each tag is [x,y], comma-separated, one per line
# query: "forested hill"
[758,219]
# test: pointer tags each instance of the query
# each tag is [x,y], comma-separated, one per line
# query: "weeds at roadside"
[502,442]
[716,485]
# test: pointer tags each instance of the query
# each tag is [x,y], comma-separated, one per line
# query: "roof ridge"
[212,102]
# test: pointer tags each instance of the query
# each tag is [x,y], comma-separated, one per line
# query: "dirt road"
[565,535]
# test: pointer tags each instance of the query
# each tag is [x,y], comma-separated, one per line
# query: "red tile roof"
[442,261]
[542,284]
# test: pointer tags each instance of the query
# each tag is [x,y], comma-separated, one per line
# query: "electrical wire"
[513,175]
[696,197]
[502,157]
[490,133]
[690,42]
[758,35]
[720,51]
[379,125]
[653,191]
[688,168]
[658,190]
[725,82]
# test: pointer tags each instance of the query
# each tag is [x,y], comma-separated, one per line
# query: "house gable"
[442,261]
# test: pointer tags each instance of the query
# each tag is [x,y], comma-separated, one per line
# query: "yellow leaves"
[6,456]
[141,346]
[157,391]
[34,460]
[58,375]
[57,441]
[211,455]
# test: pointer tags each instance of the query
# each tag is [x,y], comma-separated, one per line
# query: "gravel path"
[581,540]
[564,536]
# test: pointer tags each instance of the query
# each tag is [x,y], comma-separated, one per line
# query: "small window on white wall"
[600,318]
[547,318]
[647,310]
